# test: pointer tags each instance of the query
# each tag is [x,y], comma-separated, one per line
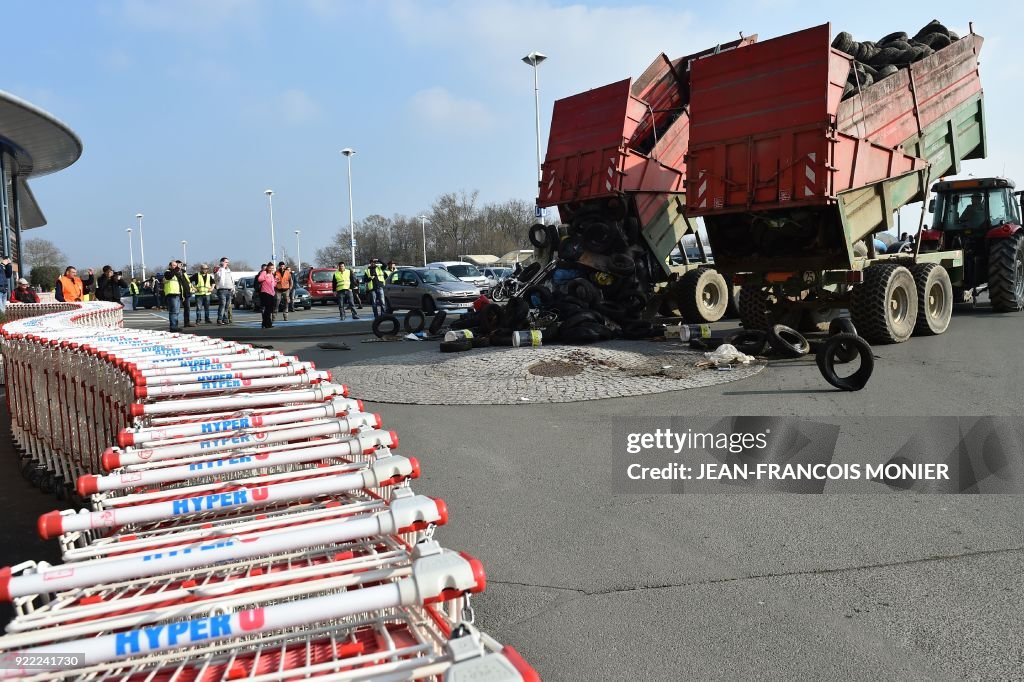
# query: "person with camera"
[24,293]
[108,286]
[172,293]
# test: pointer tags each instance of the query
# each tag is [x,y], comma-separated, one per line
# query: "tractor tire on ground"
[703,296]
[750,341]
[787,341]
[1006,273]
[437,323]
[378,326]
[414,321]
[826,358]
[456,346]
[884,306]
[934,299]
[490,316]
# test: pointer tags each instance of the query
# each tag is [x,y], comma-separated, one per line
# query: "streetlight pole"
[184,252]
[131,252]
[423,226]
[298,250]
[348,152]
[142,245]
[534,59]
[273,243]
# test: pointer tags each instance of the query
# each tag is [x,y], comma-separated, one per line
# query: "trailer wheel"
[934,299]
[1006,274]
[884,306]
[753,307]
[703,295]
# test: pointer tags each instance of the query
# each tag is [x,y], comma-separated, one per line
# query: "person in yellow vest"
[133,291]
[69,287]
[343,289]
[203,286]
[172,294]
[375,277]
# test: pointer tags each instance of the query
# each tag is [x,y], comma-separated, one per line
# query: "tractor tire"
[753,307]
[1006,273]
[934,299]
[703,295]
[884,306]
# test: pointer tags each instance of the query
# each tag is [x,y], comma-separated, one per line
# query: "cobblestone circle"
[501,376]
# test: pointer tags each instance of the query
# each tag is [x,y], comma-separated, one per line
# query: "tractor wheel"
[703,295]
[934,299]
[1006,274]
[753,307]
[884,306]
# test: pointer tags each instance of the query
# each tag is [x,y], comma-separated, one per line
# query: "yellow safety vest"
[342,280]
[374,271]
[133,288]
[171,286]
[203,286]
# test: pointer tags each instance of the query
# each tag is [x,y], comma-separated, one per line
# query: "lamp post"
[348,152]
[273,243]
[534,59]
[298,249]
[131,252]
[142,245]
[184,252]
[423,226]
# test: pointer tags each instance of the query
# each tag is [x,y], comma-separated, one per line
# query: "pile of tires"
[877,60]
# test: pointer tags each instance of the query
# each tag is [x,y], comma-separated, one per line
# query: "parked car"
[428,289]
[245,294]
[302,299]
[320,284]
[495,275]
[467,272]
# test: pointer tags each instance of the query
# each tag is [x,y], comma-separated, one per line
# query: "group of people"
[347,289]
[276,289]
[178,289]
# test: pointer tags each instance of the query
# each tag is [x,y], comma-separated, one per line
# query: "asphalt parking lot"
[593,585]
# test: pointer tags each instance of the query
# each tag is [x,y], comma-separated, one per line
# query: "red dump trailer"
[792,181]
[615,170]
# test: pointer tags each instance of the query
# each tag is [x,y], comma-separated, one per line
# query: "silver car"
[429,289]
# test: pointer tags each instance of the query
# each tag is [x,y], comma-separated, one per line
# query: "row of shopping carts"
[245,519]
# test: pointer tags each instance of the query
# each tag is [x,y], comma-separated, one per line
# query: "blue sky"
[190,109]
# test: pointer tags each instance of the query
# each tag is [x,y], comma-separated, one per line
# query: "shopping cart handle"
[415,512]
[441,575]
[389,470]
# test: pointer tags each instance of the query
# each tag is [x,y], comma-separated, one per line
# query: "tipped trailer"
[615,170]
[793,181]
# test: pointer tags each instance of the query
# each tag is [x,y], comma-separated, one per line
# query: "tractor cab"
[971,206]
[982,218]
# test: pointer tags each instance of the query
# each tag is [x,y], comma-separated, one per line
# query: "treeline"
[455,225]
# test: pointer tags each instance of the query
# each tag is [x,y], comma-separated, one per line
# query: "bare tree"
[38,252]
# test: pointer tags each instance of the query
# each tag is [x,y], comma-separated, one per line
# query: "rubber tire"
[753,307]
[480,341]
[582,318]
[420,319]
[539,235]
[429,307]
[612,310]
[750,341]
[587,332]
[841,325]
[528,272]
[571,249]
[456,346]
[870,304]
[622,265]
[826,360]
[386,318]
[784,347]
[584,290]
[932,283]
[691,292]
[1006,273]
[633,300]
[515,314]
[490,316]
[437,323]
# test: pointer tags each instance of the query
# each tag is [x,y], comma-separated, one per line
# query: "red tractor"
[983,218]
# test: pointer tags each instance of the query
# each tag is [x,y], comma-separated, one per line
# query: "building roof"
[41,144]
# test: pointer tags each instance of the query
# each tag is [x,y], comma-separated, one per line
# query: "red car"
[320,284]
